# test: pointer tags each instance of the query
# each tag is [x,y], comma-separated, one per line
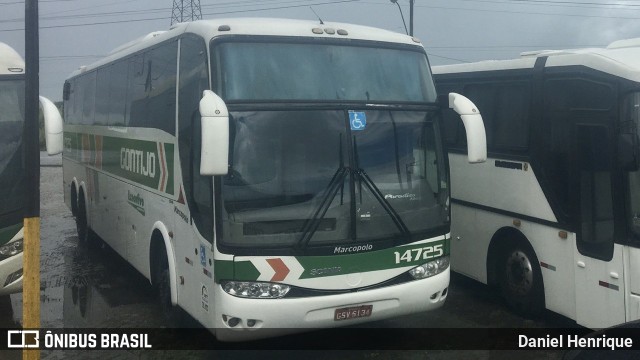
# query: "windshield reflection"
[304,178]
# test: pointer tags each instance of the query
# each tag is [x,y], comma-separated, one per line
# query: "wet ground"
[97,289]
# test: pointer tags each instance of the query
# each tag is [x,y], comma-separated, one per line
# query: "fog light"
[251,323]
[13,277]
[233,322]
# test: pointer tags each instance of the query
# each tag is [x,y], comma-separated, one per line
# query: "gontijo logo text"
[138,161]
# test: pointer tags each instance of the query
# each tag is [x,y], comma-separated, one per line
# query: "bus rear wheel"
[521,280]
[86,237]
[81,221]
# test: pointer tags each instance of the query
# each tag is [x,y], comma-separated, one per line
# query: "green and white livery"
[268,174]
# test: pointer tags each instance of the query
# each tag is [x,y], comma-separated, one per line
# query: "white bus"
[268,174]
[12,167]
[553,218]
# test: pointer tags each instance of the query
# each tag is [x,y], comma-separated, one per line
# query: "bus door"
[598,261]
[631,125]
[194,208]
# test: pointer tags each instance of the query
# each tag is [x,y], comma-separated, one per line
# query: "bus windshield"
[323,175]
[11,128]
[302,178]
[250,71]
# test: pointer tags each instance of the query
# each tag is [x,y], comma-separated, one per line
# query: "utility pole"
[185,10]
[411,2]
[31,148]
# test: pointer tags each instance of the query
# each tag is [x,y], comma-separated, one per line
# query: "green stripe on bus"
[139,161]
[315,266]
[396,257]
[241,270]
[9,232]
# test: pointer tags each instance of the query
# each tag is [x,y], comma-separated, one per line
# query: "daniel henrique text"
[574,341]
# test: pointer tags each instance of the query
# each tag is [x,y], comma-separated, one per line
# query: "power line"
[154,10]
[448,58]
[208,14]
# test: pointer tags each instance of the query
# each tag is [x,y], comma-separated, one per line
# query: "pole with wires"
[411,3]
[31,146]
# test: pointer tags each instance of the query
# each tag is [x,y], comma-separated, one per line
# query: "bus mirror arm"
[473,126]
[214,153]
[52,126]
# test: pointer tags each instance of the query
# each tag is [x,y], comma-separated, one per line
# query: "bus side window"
[596,204]
[89,89]
[118,93]
[453,131]
[193,81]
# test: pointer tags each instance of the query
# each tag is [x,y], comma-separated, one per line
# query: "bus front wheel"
[521,280]
[171,313]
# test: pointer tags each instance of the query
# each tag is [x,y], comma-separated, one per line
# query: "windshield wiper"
[377,194]
[337,182]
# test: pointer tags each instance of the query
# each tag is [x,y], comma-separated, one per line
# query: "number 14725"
[424,253]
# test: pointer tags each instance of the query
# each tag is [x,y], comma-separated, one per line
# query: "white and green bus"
[554,217]
[268,174]
[12,167]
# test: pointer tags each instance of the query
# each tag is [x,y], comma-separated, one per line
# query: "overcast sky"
[78,32]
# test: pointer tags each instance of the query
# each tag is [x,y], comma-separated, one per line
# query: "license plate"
[353,312]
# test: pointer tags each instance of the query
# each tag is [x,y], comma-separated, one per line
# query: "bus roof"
[11,62]
[621,58]
[209,29]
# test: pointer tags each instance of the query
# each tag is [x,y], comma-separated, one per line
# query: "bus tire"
[170,312]
[520,280]
[86,237]
[82,226]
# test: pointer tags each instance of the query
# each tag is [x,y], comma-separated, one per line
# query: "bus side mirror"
[214,153]
[52,126]
[473,126]
[628,159]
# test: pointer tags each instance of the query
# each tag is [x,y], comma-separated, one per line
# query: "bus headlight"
[255,290]
[11,249]
[430,269]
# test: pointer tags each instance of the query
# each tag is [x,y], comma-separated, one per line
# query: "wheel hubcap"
[519,273]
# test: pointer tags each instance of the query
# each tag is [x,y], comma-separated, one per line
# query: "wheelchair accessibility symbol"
[358,120]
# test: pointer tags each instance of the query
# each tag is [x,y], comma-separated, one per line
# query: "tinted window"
[567,101]
[511,123]
[578,94]
[505,111]
[88,82]
[153,87]
[102,96]
[282,71]
[118,92]
[75,101]
[453,131]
